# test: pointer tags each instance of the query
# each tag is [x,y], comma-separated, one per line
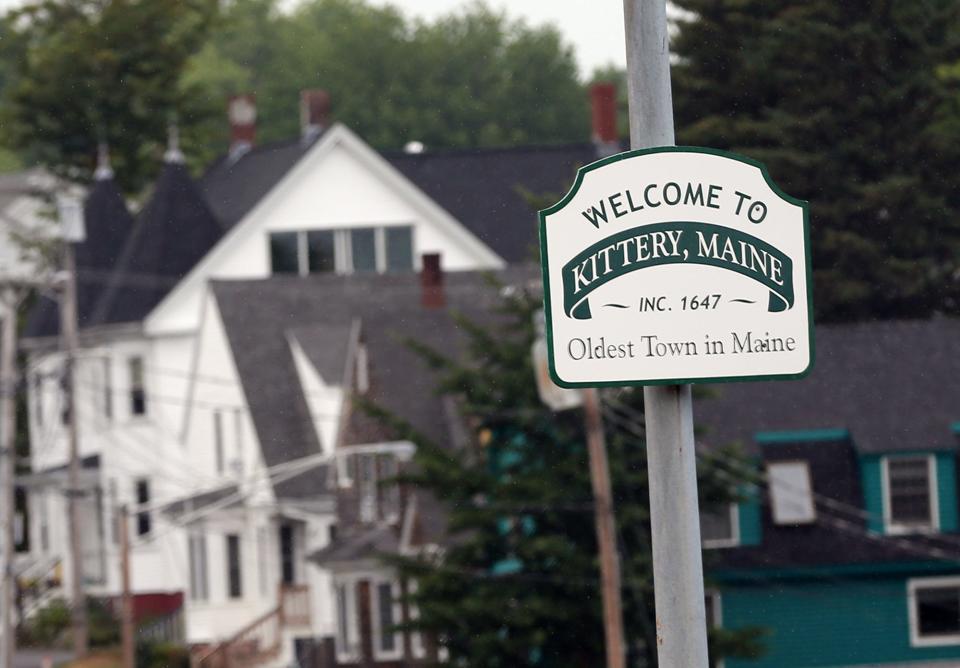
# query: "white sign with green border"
[676,265]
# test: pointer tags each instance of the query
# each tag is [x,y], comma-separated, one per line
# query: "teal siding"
[834,623]
[749,516]
[947,489]
[870,478]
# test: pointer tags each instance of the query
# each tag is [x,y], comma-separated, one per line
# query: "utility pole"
[127,598]
[8,384]
[674,514]
[68,328]
[606,530]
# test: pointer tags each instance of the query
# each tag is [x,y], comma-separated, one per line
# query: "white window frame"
[774,510]
[376,633]
[351,634]
[199,589]
[734,539]
[916,640]
[417,647]
[717,621]
[892,527]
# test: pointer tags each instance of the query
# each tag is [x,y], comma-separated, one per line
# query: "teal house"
[846,549]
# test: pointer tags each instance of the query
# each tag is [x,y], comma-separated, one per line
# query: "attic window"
[910,494]
[354,250]
[791,493]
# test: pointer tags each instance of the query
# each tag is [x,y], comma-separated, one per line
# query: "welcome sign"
[676,265]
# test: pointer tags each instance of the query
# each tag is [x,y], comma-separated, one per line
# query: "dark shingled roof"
[173,232]
[234,185]
[485,189]
[895,385]
[108,226]
[326,346]
[258,314]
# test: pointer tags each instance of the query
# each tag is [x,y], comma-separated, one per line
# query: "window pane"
[388,640]
[716,525]
[343,617]
[320,251]
[399,248]
[234,573]
[791,494]
[284,258]
[143,498]
[287,555]
[138,397]
[363,248]
[938,611]
[909,490]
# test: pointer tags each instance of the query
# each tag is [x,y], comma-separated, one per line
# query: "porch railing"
[261,640]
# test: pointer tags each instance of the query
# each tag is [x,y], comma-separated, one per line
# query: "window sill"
[905,530]
[936,641]
[720,544]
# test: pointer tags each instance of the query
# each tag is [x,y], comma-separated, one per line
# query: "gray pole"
[68,329]
[8,383]
[674,515]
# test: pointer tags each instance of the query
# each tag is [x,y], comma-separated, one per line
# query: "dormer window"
[791,493]
[357,250]
[910,494]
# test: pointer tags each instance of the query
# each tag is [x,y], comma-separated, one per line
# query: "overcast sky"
[594,27]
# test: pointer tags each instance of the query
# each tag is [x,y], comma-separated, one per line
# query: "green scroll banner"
[676,243]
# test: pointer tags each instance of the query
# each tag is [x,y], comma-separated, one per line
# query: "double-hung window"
[144,517]
[234,567]
[720,527]
[910,493]
[347,640]
[138,395]
[791,492]
[386,609]
[934,611]
[197,546]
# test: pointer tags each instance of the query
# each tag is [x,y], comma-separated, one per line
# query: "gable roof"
[108,225]
[895,385]
[173,232]
[259,315]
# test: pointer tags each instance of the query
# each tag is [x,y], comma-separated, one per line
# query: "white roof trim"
[337,135]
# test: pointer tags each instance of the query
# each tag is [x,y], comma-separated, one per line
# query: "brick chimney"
[314,113]
[242,113]
[431,282]
[603,104]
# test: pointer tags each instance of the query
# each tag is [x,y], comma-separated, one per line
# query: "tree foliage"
[853,107]
[518,581]
[78,71]
[472,78]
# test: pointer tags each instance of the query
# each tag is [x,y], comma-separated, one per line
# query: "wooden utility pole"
[606,530]
[68,329]
[8,385]
[671,463]
[127,596]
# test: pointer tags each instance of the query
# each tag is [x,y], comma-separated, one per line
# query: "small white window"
[910,494]
[386,609]
[721,527]
[107,388]
[347,638]
[218,440]
[138,395]
[934,611]
[791,493]
[197,545]
[417,646]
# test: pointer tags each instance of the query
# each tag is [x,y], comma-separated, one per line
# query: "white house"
[230,477]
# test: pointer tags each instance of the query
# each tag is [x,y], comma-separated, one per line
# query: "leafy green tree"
[473,78]
[518,582]
[852,106]
[92,69]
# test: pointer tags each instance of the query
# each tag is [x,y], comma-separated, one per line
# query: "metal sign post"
[674,514]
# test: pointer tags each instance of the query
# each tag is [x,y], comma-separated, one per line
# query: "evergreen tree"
[78,71]
[853,107]
[518,582]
